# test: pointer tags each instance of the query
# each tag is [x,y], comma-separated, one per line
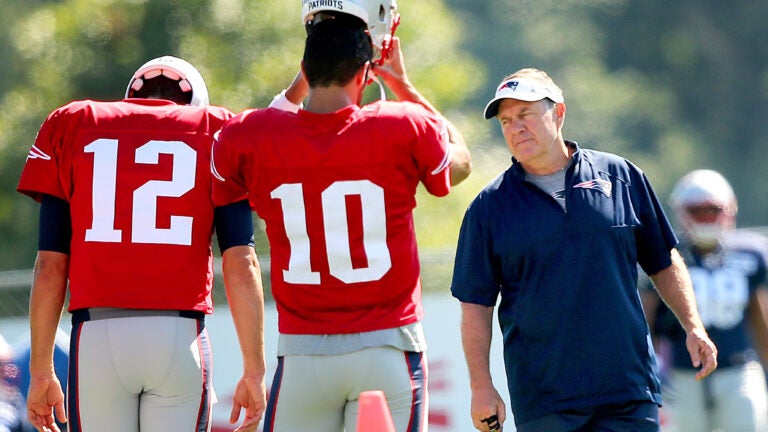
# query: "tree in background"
[248,50]
[674,86]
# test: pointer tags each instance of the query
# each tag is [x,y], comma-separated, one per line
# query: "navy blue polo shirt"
[574,331]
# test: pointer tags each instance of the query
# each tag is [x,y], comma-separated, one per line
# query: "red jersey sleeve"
[432,153]
[229,184]
[41,172]
[427,134]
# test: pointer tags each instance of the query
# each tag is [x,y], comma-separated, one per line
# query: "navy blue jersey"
[723,282]
[574,330]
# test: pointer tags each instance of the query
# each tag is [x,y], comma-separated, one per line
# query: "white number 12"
[144,213]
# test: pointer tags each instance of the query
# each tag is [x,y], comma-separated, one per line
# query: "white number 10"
[144,213]
[336,231]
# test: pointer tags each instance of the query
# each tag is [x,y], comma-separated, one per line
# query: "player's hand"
[44,400]
[392,68]
[703,352]
[488,410]
[250,394]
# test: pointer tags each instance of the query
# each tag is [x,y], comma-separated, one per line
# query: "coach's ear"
[560,113]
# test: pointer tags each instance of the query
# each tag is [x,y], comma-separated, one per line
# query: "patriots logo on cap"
[36,153]
[601,185]
[508,84]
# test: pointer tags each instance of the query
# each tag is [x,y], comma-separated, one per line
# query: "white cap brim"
[521,89]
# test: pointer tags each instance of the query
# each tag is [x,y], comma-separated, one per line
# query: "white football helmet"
[380,15]
[176,69]
[8,370]
[705,206]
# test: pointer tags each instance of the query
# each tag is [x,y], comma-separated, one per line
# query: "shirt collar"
[517,168]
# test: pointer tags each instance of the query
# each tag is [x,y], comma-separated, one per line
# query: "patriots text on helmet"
[336,4]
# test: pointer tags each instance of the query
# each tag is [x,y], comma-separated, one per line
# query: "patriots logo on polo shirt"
[601,185]
[559,195]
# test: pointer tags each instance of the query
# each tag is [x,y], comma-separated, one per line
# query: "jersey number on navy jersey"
[144,214]
[721,295]
[336,231]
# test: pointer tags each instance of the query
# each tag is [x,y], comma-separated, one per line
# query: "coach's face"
[532,132]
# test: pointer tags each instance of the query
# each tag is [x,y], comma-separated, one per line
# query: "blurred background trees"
[673,86]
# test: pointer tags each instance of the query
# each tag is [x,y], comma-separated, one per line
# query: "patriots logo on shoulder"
[36,153]
[601,185]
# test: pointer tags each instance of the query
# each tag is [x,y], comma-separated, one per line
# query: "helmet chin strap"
[382,90]
[386,49]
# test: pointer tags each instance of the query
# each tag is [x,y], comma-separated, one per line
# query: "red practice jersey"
[136,174]
[336,192]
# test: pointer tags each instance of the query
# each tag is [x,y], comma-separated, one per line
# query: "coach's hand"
[250,394]
[44,400]
[488,410]
[703,352]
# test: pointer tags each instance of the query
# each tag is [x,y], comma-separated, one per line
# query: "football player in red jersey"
[336,185]
[126,222]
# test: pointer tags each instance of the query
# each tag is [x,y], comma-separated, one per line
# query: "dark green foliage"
[674,86]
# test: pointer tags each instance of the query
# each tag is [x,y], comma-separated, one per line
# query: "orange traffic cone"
[374,415]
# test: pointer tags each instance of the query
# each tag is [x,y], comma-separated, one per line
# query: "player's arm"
[476,331]
[757,316]
[392,71]
[245,295]
[292,98]
[461,160]
[675,288]
[49,286]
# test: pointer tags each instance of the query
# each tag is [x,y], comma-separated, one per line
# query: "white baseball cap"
[523,89]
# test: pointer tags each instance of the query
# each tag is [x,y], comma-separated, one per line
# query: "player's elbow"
[461,165]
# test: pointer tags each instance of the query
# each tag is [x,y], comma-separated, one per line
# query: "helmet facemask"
[705,224]
[705,207]
[173,68]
